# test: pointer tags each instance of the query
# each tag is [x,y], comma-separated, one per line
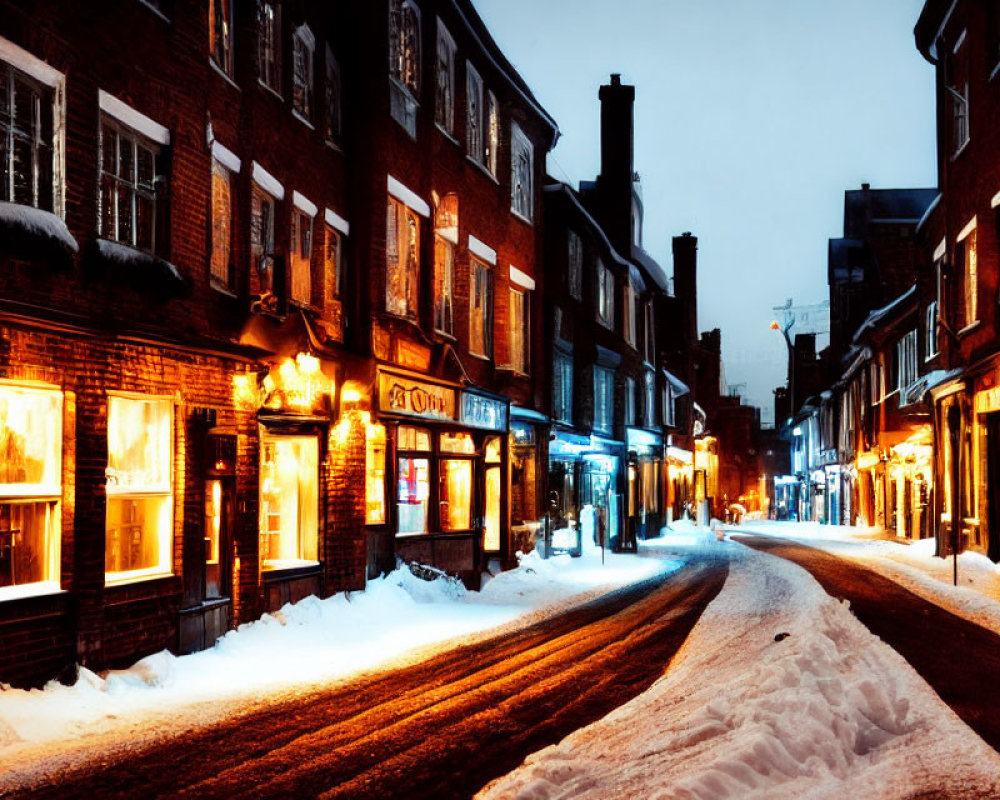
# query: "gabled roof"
[880,315]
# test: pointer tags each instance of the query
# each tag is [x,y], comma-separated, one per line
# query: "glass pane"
[109,151]
[144,222]
[24,108]
[413,493]
[493,450]
[137,536]
[28,543]
[413,438]
[491,537]
[30,441]
[145,172]
[139,444]
[24,175]
[375,475]
[126,161]
[457,443]
[456,494]
[124,233]
[289,501]
[213,520]
[109,192]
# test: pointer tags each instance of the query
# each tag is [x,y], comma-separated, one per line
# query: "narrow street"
[960,660]
[442,728]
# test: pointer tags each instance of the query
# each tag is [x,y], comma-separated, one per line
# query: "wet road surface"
[442,728]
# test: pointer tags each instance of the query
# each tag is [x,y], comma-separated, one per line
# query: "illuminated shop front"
[447,477]
[528,431]
[644,483]
[680,483]
[585,496]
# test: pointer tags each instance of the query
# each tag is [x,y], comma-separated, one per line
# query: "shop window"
[222,272]
[481,310]
[491,516]
[456,494]
[402,257]
[375,475]
[414,491]
[30,471]
[444,106]
[457,443]
[27,134]
[269,44]
[213,539]
[220,34]
[139,526]
[524,474]
[303,47]
[301,257]
[289,501]
[413,439]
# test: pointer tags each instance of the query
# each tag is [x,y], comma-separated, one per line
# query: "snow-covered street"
[778,692]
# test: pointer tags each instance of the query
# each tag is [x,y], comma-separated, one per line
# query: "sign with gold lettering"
[399,395]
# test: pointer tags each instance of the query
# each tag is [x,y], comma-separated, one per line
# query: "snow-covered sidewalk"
[398,619]
[779,692]
[912,565]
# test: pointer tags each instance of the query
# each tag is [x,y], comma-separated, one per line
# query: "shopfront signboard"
[480,411]
[399,395]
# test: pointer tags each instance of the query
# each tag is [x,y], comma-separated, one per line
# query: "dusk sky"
[752,119]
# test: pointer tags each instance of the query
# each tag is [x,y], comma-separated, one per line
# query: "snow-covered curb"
[779,692]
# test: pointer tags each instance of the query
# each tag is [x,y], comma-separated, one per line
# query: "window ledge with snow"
[40,589]
[31,234]
[137,268]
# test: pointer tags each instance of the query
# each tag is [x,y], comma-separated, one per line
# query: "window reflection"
[456,494]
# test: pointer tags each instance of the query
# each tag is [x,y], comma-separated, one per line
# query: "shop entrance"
[599,492]
[991,430]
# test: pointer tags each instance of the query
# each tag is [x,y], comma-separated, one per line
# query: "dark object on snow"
[781,636]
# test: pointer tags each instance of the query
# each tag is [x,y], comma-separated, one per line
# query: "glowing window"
[301,257]
[413,491]
[375,475]
[456,494]
[457,443]
[139,522]
[413,438]
[402,260]
[222,272]
[289,501]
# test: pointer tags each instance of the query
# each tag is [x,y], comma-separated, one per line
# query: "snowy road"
[442,728]
[960,660]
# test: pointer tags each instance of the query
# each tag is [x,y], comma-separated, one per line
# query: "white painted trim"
[266,181]
[337,222]
[522,279]
[940,250]
[225,156]
[959,42]
[970,226]
[449,234]
[304,204]
[29,64]
[136,120]
[407,196]
[484,251]
[995,201]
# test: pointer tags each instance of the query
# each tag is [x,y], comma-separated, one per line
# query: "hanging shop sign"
[398,395]
[479,411]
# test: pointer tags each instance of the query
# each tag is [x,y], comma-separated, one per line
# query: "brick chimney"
[685,249]
[615,180]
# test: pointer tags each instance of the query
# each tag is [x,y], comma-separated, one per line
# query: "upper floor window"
[669,405]
[30,487]
[492,132]
[402,257]
[303,47]
[649,406]
[269,44]
[444,100]
[968,258]
[520,329]
[931,330]
[956,79]
[474,114]
[220,34]
[333,263]
[574,270]
[906,363]
[333,102]
[222,272]
[27,133]
[301,250]
[604,399]
[481,309]
[133,179]
[630,389]
[629,311]
[605,295]
[262,260]
[445,240]
[562,387]
[404,62]
[522,173]
[649,335]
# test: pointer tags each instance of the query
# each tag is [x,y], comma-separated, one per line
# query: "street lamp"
[791,361]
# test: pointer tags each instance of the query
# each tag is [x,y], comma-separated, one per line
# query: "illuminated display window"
[414,486]
[30,470]
[289,501]
[456,494]
[138,530]
[457,443]
[491,534]
[375,475]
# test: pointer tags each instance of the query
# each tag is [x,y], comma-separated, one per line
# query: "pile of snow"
[398,618]
[779,692]
[37,222]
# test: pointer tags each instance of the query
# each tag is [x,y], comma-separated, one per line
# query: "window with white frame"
[931,330]
[303,47]
[30,488]
[402,257]
[300,256]
[574,270]
[649,406]
[605,295]
[139,527]
[333,101]
[289,501]
[629,311]
[262,208]
[969,259]
[28,126]
[520,329]
[222,273]
[522,166]
[474,141]
[269,44]
[562,387]
[669,405]
[333,263]
[481,309]
[220,34]
[604,399]
[630,404]
[133,180]
[906,362]
[492,126]
[444,88]
[956,79]
[404,63]
[445,241]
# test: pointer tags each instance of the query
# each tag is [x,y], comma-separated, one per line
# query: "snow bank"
[779,693]
[37,222]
